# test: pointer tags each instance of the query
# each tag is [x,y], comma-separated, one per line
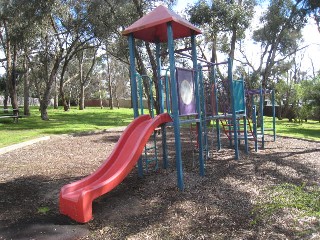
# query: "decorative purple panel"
[186,94]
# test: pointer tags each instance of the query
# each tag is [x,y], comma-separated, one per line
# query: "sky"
[310,33]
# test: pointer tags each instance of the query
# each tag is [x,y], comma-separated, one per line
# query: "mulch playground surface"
[219,205]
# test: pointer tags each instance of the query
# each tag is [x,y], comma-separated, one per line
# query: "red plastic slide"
[76,198]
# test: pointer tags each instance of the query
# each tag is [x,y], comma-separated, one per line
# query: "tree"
[224,23]
[108,21]
[87,60]
[311,96]
[311,8]
[78,37]
[16,25]
[279,37]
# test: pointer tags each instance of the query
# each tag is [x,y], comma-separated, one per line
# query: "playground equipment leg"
[245,130]
[234,118]
[273,116]
[176,121]
[254,120]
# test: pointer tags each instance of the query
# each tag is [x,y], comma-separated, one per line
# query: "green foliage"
[282,21]
[311,97]
[221,18]
[43,210]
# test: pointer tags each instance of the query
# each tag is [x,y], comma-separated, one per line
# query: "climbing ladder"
[195,144]
[150,155]
[246,128]
[227,127]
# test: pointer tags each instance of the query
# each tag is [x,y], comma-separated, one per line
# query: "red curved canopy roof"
[153,26]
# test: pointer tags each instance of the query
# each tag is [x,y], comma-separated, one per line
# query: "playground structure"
[186,103]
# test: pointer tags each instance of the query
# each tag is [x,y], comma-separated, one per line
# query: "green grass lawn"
[92,119]
[307,130]
[61,122]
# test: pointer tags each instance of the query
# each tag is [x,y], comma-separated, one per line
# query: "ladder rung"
[242,137]
[149,160]
[149,148]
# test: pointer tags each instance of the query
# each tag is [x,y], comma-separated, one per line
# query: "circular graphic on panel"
[186,92]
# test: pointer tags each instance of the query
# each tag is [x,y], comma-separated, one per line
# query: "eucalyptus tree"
[279,37]
[86,59]
[108,20]
[311,8]
[16,28]
[310,96]
[78,37]
[224,23]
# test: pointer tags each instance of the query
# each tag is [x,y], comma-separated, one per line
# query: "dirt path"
[216,206]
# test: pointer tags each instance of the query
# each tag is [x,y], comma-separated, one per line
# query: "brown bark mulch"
[219,205]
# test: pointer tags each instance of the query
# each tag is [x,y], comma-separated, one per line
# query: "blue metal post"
[161,100]
[133,77]
[175,111]
[261,117]
[273,115]
[134,90]
[254,121]
[140,93]
[151,97]
[234,117]
[160,85]
[217,108]
[203,113]
[168,97]
[198,106]
[245,130]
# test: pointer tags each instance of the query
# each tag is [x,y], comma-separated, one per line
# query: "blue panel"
[238,93]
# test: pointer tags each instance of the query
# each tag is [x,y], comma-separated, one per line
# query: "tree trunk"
[100,95]
[45,101]
[5,100]
[109,85]
[233,42]
[43,110]
[11,75]
[13,85]
[26,89]
[81,103]
[64,101]
[280,112]
[55,100]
